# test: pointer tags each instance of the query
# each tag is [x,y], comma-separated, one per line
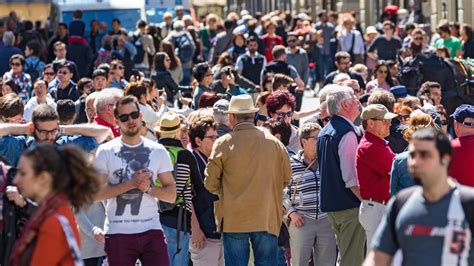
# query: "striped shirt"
[306,189]
[183,173]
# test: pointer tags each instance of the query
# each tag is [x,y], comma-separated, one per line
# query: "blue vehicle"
[128,12]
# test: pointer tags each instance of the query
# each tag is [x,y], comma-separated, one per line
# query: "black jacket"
[163,80]
[83,57]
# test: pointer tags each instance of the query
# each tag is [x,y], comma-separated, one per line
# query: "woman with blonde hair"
[399,176]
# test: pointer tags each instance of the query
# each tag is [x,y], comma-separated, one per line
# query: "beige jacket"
[248,169]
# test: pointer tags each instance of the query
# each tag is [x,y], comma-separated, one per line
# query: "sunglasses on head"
[125,117]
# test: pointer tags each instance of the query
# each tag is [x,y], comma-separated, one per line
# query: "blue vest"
[334,194]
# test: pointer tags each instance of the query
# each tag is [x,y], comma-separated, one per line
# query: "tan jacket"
[248,169]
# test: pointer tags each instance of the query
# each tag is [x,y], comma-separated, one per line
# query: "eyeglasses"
[63,72]
[214,137]
[404,117]
[117,67]
[47,132]
[283,115]
[468,124]
[49,73]
[125,117]
[15,64]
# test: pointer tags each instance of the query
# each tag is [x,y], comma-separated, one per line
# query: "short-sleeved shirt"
[132,212]
[11,148]
[87,144]
[419,228]
[386,49]
[453,45]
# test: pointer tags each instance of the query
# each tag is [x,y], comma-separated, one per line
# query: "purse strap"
[295,188]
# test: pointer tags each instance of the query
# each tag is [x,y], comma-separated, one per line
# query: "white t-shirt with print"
[134,211]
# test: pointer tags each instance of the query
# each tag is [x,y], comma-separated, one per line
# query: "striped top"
[183,173]
[307,186]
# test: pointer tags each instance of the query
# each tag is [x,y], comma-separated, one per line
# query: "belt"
[383,202]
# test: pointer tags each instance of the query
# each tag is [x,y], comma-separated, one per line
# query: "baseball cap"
[221,106]
[376,111]
[399,91]
[462,112]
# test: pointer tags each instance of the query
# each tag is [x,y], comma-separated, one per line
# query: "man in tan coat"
[248,169]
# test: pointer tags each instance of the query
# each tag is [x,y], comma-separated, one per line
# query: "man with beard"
[250,64]
[432,223]
[138,173]
[45,128]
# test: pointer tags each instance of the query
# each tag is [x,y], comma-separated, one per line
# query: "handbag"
[284,236]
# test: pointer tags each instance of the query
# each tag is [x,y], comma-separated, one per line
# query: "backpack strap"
[400,200]
[71,240]
[467,202]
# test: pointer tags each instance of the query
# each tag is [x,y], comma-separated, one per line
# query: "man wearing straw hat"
[248,169]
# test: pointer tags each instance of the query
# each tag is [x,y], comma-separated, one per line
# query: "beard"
[131,132]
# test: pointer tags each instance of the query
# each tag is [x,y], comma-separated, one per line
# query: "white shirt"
[32,103]
[132,212]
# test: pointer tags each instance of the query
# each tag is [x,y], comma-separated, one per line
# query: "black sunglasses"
[125,117]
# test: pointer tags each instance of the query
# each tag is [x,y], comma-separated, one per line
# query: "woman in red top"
[57,178]
[271,39]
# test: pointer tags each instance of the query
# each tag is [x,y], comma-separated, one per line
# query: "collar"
[243,126]
[102,122]
[170,142]
[288,50]
[374,139]
[351,123]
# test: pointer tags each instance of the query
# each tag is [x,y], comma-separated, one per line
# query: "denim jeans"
[237,248]
[323,67]
[182,258]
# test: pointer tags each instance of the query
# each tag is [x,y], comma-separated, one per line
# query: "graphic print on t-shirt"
[133,159]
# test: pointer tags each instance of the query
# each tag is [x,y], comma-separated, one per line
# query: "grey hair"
[340,78]
[106,96]
[324,91]
[336,97]
[9,38]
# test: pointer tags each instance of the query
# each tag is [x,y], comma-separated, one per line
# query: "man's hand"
[15,196]
[197,237]
[296,219]
[141,180]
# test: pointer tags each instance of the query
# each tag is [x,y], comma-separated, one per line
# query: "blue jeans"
[323,66]
[237,248]
[182,258]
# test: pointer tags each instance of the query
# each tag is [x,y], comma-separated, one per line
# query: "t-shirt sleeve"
[384,238]
[373,46]
[293,72]
[164,160]
[100,161]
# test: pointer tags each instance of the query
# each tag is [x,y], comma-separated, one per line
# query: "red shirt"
[270,42]
[374,162]
[463,159]
[115,129]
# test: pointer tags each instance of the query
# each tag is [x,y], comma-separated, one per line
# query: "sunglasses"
[404,117]
[15,64]
[418,38]
[125,117]
[63,72]
[283,115]
[117,67]
[49,73]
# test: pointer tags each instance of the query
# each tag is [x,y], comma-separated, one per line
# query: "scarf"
[31,229]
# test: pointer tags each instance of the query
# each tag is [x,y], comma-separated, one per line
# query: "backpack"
[33,70]
[467,202]
[137,42]
[180,200]
[184,48]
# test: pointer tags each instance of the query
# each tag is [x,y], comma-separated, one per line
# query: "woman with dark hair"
[58,179]
[382,78]
[9,86]
[225,59]
[17,74]
[33,64]
[198,54]
[467,41]
[176,69]
[282,104]
[48,73]
[155,33]
[162,77]
[150,117]
[238,46]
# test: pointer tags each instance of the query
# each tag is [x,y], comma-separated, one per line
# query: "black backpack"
[467,202]
[137,42]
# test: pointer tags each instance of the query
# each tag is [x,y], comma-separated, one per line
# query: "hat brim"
[389,116]
[253,110]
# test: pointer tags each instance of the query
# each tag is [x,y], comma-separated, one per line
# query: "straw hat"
[241,104]
[371,30]
[169,123]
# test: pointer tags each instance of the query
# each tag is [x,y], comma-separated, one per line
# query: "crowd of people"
[132,147]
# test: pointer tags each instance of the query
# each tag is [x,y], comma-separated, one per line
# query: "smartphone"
[160,92]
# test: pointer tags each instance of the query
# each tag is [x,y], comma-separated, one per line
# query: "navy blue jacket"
[5,53]
[334,194]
